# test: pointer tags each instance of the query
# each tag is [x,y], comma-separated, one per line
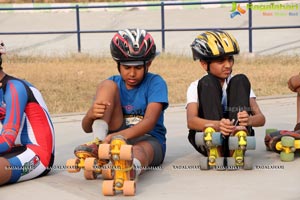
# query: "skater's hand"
[294,83]
[226,126]
[244,118]
[98,109]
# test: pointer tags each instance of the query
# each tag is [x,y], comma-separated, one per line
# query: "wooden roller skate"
[239,142]
[121,157]
[86,159]
[212,140]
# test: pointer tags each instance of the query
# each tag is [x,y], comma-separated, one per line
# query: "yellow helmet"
[213,45]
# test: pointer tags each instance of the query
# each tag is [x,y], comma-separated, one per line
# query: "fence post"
[163,26]
[250,27]
[78,29]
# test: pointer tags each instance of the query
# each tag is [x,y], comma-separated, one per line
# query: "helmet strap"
[208,66]
[145,69]
[119,66]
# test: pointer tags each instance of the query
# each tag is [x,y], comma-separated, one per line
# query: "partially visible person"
[272,138]
[294,86]
[27,135]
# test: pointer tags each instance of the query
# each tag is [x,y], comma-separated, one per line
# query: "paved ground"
[270,178]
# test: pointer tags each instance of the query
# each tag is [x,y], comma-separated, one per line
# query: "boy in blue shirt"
[132,104]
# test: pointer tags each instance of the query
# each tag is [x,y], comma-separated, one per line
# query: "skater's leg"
[210,96]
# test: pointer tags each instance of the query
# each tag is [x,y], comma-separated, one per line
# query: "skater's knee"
[108,84]
[143,151]
[5,171]
[240,79]
[208,80]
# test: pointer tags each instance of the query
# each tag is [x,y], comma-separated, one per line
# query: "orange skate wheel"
[107,172]
[89,163]
[104,151]
[72,165]
[126,152]
[129,188]
[89,175]
[108,187]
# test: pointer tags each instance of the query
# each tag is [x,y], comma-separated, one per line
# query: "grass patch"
[68,84]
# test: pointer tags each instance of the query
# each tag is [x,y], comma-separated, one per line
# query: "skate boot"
[120,155]
[283,142]
[239,142]
[86,158]
[212,141]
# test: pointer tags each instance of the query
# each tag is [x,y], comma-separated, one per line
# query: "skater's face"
[132,75]
[221,68]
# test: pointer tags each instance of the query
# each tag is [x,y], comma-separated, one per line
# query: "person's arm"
[15,100]
[294,86]
[298,107]
[256,119]
[294,83]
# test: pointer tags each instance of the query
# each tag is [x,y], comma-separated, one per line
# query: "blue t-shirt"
[135,101]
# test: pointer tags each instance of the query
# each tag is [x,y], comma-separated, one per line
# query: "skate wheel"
[286,157]
[233,143]
[217,139]
[126,152]
[231,165]
[104,151]
[248,164]
[129,188]
[108,188]
[89,164]
[199,139]
[72,165]
[220,164]
[251,143]
[107,172]
[270,130]
[204,163]
[287,141]
[89,175]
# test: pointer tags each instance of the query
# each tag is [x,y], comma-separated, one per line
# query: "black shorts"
[158,156]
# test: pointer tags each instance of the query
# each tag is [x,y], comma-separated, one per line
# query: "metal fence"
[162,5]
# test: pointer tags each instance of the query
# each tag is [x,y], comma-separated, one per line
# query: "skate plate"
[211,140]
[239,142]
[120,155]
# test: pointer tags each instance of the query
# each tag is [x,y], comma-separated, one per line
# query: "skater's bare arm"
[298,107]
[294,86]
[294,83]
[194,122]
[257,118]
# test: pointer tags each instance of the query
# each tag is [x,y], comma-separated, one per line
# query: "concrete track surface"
[179,176]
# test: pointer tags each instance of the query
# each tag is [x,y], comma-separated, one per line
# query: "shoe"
[90,148]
